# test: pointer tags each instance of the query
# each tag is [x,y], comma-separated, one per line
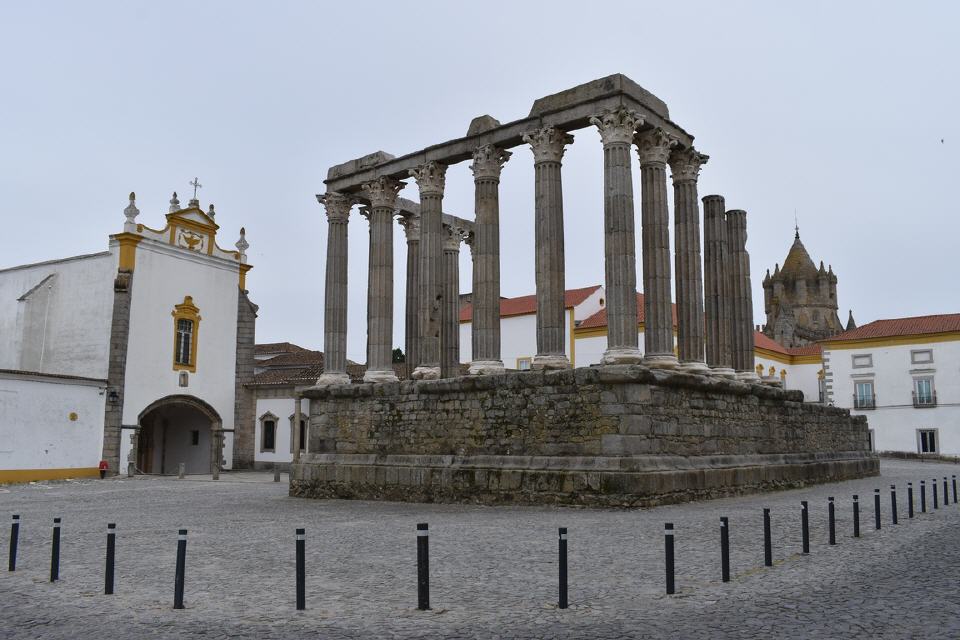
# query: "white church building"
[136,355]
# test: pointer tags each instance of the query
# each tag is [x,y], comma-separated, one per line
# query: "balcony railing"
[864,402]
[924,400]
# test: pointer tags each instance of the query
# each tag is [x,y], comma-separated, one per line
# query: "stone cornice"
[431,177]
[338,205]
[617,126]
[383,191]
[547,144]
[488,161]
[654,146]
[686,164]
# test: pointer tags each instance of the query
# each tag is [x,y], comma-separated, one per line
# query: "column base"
[695,366]
[748,376]
[329,378]
[424,372]
[550,362]
[661,361]
[723,372]
[380,375]
[622,355]
[486,367]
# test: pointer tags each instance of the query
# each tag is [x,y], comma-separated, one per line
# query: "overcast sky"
[844,112]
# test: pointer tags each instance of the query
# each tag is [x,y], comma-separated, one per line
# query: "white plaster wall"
[590,350]
[77,335]
[802,377]
[895,420]
[35,427]
[283,408]
[162,277]
[518,338]
[591,305]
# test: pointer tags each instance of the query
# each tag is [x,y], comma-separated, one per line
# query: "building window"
[194,438]
[862,361]
[524,364]
[186,325]
[921,356]
[863,397]
[923,393]
[268,433]
[927,440]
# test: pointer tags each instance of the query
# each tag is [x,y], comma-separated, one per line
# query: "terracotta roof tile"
[276,347]
[528,304]
[762,341]
[599,319]
[292,359]
[917,325]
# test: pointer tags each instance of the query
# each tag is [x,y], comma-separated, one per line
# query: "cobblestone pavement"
[493,569]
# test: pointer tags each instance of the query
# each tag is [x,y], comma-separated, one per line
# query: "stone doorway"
[179,429]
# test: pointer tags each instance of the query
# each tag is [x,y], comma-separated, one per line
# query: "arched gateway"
[175,429]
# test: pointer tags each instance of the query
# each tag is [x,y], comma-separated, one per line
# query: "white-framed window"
[524,364]
[928,441]
[863,397]
[268,433]
[921,356]
[923,392]
[862,360]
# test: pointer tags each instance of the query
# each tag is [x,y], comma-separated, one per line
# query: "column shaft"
[412,312]
[335,293]
[297,417]
[742,316]
[718,297]
[431,179]
[450,331]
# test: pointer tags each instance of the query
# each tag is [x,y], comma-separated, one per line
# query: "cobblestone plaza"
[493,569]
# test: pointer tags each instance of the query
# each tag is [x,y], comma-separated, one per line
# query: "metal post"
[954,489]
[910,499]
[923,496]
[111,550]
[933,490]
[876,508]
[767,546]
[14,541]
[856,516]
[55,552]
[725,549]
[181,569]
[423,567]
[276,473]
[805,526]
[946,495]
[182,470]
[301,571]
[893,502]
[563,568]
[668,548]
[832,521]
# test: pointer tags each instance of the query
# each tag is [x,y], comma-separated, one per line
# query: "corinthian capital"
[686,164]
[547,144]
[383,191]
[338,205]
[654,145]
[488,160]
[452,237]
[411,226]
[617,126]
[431,177]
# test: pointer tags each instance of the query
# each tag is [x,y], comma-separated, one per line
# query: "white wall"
[73,330]
[36,431]
[163,275]
[895,421]
[518,339]
[802,377]
[283,408]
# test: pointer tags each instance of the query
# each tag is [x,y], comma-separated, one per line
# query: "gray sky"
[834,109]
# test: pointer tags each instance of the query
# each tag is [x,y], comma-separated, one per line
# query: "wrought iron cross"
[196,185]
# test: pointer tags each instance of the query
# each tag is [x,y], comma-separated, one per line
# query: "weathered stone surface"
[610,85]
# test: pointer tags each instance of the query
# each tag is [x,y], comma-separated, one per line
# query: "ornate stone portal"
[624,433]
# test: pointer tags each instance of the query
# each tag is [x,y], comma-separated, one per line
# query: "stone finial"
[242,245]
[431,177]
[547,143]
[654,146]
[383,191]
[174,203]
[686,163]
[851,323]
[337,204]
[488,161]
[131,212]
[452,237]
[617,126]
[211,213]
[411,227]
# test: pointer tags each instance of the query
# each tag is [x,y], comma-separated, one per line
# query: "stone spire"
[851,323]
[131,212]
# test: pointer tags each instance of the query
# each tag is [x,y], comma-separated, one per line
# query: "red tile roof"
[599,319]
[528,304]
[762,341]
[917,325]
[276,347]
[297,358]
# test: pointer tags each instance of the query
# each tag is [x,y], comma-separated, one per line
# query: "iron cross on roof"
[196,185]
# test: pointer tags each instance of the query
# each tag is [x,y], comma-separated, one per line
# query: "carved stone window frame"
[861,356]
[268,417]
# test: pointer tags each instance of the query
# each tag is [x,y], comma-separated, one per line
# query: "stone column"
[382,194]
[617,129]
[450,331]
[338,207]
[431,178]
[690,340]
[742,316]
[548,145]
[488,161]
[297,417]
[411,225]
[717,297]
[653,147]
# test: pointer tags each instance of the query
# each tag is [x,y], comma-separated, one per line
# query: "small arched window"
[186,326]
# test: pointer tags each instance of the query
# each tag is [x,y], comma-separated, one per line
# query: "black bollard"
[954,478]
[423,567]
[856,516]
[55,552]
[181,569]
[301,571]
[832,521]
[14,541]
[893,502]
[910,499]
[725,549]
[111,551]
[767,545]
[562,600]
[668,548]
[805,526]
[923,496]
[933,491]
[946,495]
[876,508]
